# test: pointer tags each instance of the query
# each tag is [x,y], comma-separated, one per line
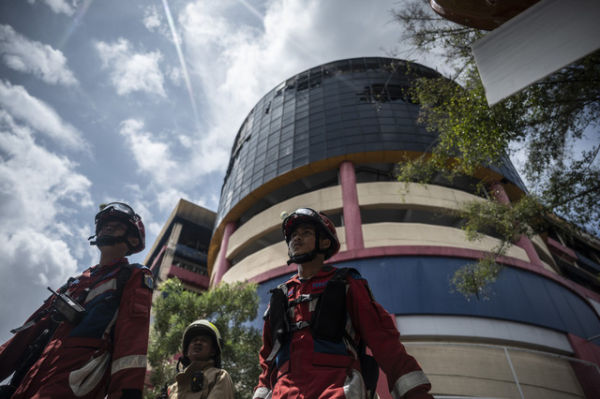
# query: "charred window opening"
[382,93]
[302,83]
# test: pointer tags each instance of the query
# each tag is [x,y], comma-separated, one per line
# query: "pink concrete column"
[524,242]
[587,374]
[222,263]
[352,222]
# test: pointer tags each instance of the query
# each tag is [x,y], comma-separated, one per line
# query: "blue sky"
[106,100]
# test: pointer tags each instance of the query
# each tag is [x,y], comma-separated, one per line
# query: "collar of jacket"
[101,268]
[194,367]
[325,271]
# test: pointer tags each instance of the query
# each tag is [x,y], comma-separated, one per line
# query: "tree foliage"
[501,220]
[229,307]
[554,123]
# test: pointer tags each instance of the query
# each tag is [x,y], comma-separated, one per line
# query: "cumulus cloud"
[238,63]
[61,6]
[152,19]
[233,64]
[39,115]
[132,71]
[151,155]
[28,56]
[175,75]
[39,192]
[168,198]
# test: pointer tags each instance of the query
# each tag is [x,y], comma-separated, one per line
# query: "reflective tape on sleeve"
[408,382]
[262,393]
[128,362]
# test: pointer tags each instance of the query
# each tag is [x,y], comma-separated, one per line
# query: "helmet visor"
[307,212]
[119,207]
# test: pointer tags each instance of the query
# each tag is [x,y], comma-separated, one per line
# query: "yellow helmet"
[202,327]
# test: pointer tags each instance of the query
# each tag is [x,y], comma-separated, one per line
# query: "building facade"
[181,248]
[329,139]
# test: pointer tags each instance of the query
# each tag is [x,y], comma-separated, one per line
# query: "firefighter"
[89,339]
[319,321]
[202,377]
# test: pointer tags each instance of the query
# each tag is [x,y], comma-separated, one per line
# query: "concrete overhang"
[528,41]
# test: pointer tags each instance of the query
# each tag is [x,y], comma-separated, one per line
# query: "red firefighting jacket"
[307,367]
[104,353]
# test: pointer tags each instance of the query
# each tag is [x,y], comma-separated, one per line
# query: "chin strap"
[303,258]
[110,240]
[107,240]
[184,361]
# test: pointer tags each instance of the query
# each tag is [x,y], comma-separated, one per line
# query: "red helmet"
[122,212]
[322,225]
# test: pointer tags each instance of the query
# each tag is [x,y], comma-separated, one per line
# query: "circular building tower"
[329,139]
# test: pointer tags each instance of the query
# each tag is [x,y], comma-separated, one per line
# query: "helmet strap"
[184,361]
[110,240]
[307,257]
[303,258]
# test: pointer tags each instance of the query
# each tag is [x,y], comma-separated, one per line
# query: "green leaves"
[547,122]
[229,307]
[475,279]
[508,222]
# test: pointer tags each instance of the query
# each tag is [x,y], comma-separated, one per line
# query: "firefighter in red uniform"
[313,341]
[89,339]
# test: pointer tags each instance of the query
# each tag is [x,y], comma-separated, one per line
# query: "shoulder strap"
[329,318]
[343,272]
[277,318]
[368,364]
[123,276]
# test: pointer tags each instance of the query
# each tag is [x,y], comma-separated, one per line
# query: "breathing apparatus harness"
[63,309]
[328,322]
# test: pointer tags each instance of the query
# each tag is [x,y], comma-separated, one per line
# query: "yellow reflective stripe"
[408,382]
[128,362]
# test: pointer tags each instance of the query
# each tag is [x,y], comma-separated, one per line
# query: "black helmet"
[201,327]
[121,212]
[323,225]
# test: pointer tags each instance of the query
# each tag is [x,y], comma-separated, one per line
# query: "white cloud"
[131,71]
[60,6]
[175,75]
[171,174]
[25,55]
[238,63]
[31,261]
[39,115]
[152,156]
[154,229]
[167,199]
[152,19]
[39,193]
[233,64]
[33,179]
